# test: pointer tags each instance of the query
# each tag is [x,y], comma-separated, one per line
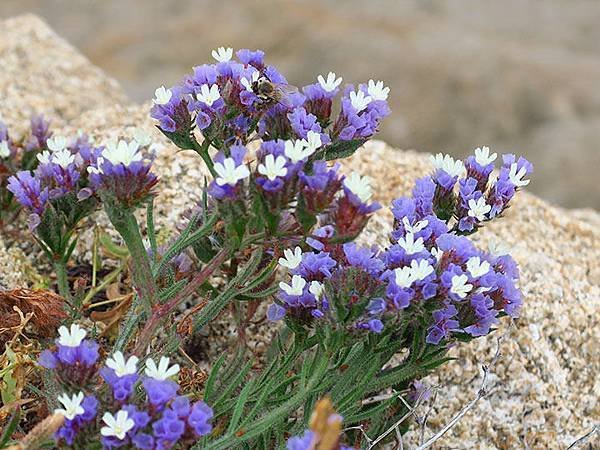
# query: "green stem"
[60,267]
[126,224]
[202,150]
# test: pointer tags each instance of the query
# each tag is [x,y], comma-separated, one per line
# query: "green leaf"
[212,378]
[239,407]
[338,150]
[11,426]
[185,240]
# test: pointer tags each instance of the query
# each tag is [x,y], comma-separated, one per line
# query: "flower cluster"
[17,154]
[227,101]
[468,192]
[236,101]
[159,420]
[428,270]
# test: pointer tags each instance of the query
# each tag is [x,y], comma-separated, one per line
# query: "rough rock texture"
[518,75]
[547,384]
[42,73]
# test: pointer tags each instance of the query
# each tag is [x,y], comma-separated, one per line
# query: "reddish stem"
[160,312]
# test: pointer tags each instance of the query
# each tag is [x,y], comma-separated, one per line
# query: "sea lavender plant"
[274,203]
[17,154]
[114,405]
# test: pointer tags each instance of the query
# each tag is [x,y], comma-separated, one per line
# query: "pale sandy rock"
[546,381]
[42,73]
[16,269]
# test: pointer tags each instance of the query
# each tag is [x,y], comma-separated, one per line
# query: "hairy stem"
[202,150]
[163,312]
[60,267]
[126,224]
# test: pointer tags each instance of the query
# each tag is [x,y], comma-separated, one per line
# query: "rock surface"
[547,377]
[520,76]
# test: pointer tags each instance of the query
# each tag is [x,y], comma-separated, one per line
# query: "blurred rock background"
[521,76]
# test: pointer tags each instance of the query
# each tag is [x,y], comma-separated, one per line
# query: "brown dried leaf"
[46,306]
[192,379]
[113,316]
[326,424]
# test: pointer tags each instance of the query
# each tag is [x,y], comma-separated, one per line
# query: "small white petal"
[359,186]
[162,96]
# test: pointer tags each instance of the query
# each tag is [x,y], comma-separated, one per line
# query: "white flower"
[142,137]
[377,91]
[297,150]
[163,371]
[295,288]
[208,94]
[483,157]
[359,186]
[72,337]
[316,289]
[118,425]
[229,173]
[273,168]
[331,83]
[292,259]
[162,96]
[409,244]
[497,248]
[448,165]
[312,141]
[122,152]
[478,208]
[516,177]
[418,226]
[403,277]
[72,405]
[98,168]
[476,267]
[437,253]
[4,150]
[460,286]
[121,366]
[63,158]
[359,100]
[247,83]
[44,157]
[222,54]
[56,143]
[421,269]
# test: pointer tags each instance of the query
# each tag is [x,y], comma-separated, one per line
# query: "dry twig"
[586,437]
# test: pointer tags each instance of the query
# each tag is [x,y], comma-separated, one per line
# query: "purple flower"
[28,191]
[373,325]
[199,418]
[304,442]
[275,312]
[122,386]
[251,57]
[159,391]
[315,266]
[171,111]
[363,258]
[71,427]
[123,174]
[443,325]
[40,133]
[319,187]
[168,429]
[303,122]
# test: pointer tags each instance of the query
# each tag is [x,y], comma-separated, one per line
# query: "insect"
[270,93]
